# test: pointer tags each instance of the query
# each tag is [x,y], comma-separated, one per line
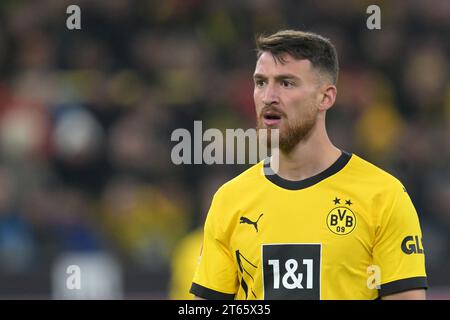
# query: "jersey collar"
[340,163]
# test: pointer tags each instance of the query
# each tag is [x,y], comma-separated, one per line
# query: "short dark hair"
[301,45]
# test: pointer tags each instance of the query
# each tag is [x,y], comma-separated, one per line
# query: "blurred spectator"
[142,220]
[187,251]
[16,243]
[183,265]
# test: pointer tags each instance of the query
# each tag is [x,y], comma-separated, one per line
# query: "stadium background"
[86,117]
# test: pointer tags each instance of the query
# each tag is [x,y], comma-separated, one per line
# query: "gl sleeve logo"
[412,245]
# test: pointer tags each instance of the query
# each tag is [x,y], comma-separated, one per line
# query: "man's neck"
[308,158]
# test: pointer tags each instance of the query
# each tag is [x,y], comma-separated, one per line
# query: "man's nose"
[270,95]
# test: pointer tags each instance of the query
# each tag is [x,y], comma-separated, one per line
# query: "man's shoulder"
[369,173]
[232,192]
[244,180]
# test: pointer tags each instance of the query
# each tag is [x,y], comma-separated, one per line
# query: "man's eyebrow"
[278,77]
[259,76]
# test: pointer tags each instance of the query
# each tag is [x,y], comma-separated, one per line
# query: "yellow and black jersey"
[350,232]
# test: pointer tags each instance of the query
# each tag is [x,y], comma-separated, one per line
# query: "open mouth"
[271,118]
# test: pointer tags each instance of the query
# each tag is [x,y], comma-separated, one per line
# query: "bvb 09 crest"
[341,221]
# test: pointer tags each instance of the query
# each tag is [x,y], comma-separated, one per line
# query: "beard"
[292,132]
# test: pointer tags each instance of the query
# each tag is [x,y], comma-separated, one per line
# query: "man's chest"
[289,246]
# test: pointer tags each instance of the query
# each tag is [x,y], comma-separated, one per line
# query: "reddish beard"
[290,134]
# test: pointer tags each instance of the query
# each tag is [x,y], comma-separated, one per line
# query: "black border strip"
[206,293]
[340,163]
[403,285]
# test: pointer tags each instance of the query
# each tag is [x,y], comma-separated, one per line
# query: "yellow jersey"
[183,265]
[350,232]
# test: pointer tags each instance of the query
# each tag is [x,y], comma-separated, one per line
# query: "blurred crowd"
[86,117]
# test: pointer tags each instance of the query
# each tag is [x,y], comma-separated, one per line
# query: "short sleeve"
[216,275]
[398,250]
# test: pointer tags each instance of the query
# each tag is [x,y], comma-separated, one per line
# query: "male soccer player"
[327,224]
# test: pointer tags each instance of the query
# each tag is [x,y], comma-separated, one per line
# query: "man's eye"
[259,83]
[286,84]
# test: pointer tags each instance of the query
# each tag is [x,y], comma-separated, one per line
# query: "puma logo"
[248,221]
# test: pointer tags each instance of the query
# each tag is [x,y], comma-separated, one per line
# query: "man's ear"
[327,96]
